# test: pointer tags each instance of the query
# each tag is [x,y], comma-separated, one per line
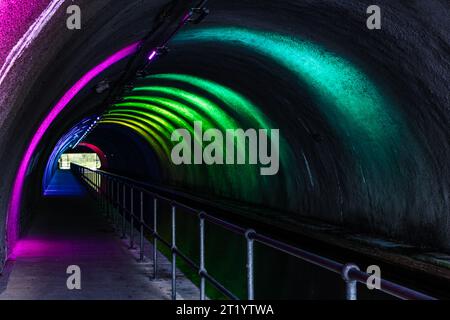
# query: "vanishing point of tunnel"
[319,124]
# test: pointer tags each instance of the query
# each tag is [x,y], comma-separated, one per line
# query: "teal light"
[367,121]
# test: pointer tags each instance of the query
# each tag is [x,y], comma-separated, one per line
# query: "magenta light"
[28,248]
[53,247]
[152,55]
[12,224]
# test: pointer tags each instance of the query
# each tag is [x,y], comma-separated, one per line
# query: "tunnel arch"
[128,153]
[15,201]
[67,141]
[331,182]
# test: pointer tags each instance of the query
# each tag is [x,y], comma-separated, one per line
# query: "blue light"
[70,140]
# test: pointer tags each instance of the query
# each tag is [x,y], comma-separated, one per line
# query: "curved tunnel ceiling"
[363,116]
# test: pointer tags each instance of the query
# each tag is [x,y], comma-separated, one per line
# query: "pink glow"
[152,55]
[53,247]
[15,200]
[98,151]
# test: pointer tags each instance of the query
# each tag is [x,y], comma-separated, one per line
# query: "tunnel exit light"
[88,160]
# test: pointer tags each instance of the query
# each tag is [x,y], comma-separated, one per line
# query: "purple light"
[152,55]
[187,16]
[15,200]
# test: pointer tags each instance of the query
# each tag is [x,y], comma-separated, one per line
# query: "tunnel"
[339,134]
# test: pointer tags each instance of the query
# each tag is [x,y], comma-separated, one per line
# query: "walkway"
[67,231]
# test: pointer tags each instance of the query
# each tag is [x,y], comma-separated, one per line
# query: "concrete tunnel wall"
[33,86]
[393,183]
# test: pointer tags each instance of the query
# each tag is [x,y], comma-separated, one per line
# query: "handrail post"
[103,190]
[132,218]
[155,239]
[202,270]
[102,199]
[107,191]
[250,258]
[111,199]
[174,255]
[123,211]
[97,189]
[351,290]
[118,206]
[96,185]
[105,194]
[108,197]
[141,240]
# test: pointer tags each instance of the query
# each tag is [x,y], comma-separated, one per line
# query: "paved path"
[65,184]
[67,231]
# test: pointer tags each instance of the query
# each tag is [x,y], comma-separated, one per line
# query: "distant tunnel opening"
[88,160]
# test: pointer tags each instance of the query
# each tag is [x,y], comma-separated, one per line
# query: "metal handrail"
[110,194]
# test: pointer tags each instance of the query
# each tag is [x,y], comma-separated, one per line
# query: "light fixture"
[197,15]
[152,55]
[102,86]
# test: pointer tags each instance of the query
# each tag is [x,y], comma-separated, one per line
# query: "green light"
[166,124]
[222,120]
[150,132]
[157,110]
[235,102]
[178,111]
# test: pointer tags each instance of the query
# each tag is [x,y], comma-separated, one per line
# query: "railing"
[111,191]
